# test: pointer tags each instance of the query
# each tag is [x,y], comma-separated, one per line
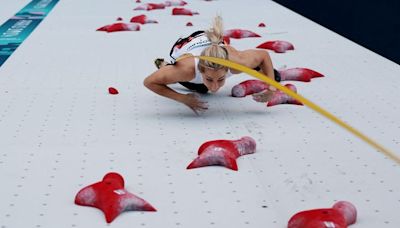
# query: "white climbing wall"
[60,130]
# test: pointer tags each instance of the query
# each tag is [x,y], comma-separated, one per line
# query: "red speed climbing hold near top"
[240,33]
[277,46]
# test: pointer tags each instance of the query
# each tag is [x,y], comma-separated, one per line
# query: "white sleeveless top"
[195,47]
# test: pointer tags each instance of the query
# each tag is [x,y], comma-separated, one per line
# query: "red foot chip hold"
[110,196]
[261,25]
[278,46]
[142,19]
[341,215]
[119,19]
[248,87]
[138,1]
[280,97]
[118,27]
[150,6]
[223,152]
[189,24]
[183,11]
[240,33]
[112,90]
[175,3]
[299,74]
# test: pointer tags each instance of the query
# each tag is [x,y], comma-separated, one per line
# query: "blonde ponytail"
[215,35]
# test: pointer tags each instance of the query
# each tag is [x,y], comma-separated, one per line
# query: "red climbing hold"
[248,87]
[183,11]
[341,215]
[280,97]
[277,46]
[223,152]
[240,33]
[142,19]
[112,90]
[226,40]
[299,74]
[117,27]
[110,196]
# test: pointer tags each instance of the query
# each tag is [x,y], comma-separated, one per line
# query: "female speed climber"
[202,76]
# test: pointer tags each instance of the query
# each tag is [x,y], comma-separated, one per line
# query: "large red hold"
[110,196]
[280,97]
[277,46]
[223,152]
[299,74]
[248,87]
[341,215]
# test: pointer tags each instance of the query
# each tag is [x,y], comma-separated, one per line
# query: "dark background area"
[373,24]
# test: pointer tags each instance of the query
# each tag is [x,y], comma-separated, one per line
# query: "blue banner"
[14,31]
